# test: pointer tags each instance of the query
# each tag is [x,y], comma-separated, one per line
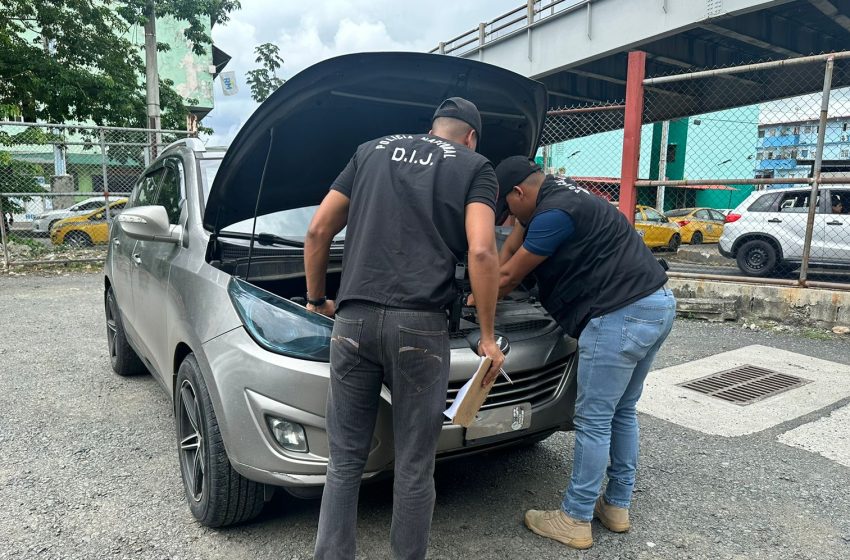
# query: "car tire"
[124,360]
[218,496]
[77,239]
[696,238]
[674,243]
[757,258]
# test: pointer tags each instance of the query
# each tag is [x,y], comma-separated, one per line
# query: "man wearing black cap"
[604,287]
[413,205]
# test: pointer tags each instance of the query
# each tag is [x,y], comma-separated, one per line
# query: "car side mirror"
[149,223]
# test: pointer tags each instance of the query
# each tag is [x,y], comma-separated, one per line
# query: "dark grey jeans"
[409,351]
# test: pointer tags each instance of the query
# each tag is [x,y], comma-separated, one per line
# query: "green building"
[719,145]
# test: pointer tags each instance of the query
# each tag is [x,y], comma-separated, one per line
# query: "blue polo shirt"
[547,231]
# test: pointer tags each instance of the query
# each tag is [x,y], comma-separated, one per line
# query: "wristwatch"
[317,302]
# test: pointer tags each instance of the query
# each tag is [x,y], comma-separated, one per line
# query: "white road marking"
[662,398]
[828,436]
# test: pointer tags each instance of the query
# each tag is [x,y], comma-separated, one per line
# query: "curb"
[717,300]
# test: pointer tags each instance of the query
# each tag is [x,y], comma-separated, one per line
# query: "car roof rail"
[190,142]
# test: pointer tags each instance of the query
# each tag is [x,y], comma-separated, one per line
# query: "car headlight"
[279,325]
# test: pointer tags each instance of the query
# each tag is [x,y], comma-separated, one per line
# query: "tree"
[264,80]
[70,61]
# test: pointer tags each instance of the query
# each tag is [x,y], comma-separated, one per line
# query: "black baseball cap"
[461,109]
[510,172]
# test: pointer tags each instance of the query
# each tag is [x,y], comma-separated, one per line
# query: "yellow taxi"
[698,225]
[656,229]
[86,229]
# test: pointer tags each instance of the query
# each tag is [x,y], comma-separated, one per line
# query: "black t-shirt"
[406,225]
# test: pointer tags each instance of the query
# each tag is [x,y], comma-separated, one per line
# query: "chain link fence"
[61,186]
[761,189]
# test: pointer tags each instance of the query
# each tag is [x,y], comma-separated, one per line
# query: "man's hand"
[328,308]
[490,349]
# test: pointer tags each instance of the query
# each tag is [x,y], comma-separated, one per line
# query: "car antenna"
[257,205]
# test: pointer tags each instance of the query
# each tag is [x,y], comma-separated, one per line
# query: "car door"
[705,225]
[150,288]
[717,220]
[658,232]
[786,222]
[835,226]
[642,226]
[122,248]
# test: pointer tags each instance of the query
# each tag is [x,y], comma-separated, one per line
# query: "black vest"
[602,267]
[406,225]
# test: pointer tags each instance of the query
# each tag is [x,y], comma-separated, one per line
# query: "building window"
[761,133]
[796,130]
[769,154]
[844,127]
[771,132]
[792,154]
[845,154]
[804,154]
[807,129]
[759,156]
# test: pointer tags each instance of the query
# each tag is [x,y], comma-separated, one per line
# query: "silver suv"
[204,283]
[767,231]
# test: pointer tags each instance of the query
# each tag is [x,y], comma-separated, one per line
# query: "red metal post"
[631,133]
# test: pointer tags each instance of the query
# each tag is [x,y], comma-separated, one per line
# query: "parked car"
[698,225]
[656,229]
[217,313]
[43,222]
[86,229]
[767,231]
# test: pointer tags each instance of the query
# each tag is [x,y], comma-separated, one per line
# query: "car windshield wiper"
[264,238]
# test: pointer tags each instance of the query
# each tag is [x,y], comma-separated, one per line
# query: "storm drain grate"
[745,384]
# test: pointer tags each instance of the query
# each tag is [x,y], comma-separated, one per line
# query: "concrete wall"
[796,306]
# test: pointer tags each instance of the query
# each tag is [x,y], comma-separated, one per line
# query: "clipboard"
[470,397]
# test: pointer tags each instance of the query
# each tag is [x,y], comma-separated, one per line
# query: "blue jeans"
[615,354]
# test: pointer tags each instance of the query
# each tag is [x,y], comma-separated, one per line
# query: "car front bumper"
[252,384]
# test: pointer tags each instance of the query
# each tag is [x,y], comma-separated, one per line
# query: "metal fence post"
[813,198]
[632,121]
[103,162]
[660,190]
[3,237]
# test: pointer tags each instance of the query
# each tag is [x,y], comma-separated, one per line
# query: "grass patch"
[815,334]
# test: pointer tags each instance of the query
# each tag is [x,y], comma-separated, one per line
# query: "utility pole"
[152,80]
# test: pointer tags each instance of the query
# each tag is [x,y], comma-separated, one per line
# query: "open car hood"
[308,129]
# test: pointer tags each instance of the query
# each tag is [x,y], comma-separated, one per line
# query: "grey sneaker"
[561,527]
[614,518]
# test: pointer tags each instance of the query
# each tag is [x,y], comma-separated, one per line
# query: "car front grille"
[536,386]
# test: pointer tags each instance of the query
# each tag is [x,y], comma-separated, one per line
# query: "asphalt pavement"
[88,465]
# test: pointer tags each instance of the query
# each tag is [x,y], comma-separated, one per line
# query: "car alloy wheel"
[122,357]
[696,238]
[78,239]
[675,241]
[192,447]
[218,496]
[112,328]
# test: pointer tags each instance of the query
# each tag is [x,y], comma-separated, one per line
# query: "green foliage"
[193,12]
[18,176]
[264,80]
[70,61]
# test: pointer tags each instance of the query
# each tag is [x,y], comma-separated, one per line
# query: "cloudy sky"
[308,32]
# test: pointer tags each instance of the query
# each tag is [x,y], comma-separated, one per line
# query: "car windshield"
[290,224]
